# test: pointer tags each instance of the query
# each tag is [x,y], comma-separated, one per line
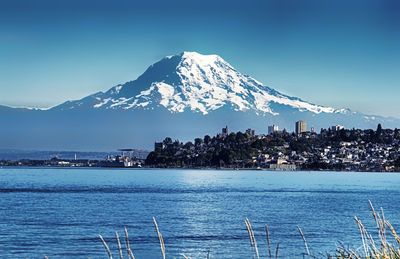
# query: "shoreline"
[188,169]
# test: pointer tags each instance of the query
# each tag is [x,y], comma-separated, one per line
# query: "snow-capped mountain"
[194,82]
[182,96]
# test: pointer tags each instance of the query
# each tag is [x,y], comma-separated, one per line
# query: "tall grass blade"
[304,240]
[128,245]
[119,245]
[252,238]
[277,251]
[160,238]
[106,247]
[268,241]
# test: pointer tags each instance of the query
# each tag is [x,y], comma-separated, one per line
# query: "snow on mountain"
[194,82]
[183,96]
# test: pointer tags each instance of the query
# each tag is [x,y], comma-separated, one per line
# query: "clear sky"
[336,53]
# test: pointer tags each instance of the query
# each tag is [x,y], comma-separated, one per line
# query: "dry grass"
[253,242]
[128,247]
[385,246]
[160,238]
[374,248]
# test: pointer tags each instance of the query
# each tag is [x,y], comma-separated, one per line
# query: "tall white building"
[337,127]
[272,129]
[301,127]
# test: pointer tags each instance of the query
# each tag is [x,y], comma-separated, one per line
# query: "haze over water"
[60,212]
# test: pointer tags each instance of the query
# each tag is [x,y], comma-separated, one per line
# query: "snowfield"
[198,83]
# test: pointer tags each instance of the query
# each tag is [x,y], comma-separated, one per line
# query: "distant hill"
[15,155]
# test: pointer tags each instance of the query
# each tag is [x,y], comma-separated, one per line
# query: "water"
[60,212]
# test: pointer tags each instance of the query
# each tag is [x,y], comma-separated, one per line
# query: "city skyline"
[325,53]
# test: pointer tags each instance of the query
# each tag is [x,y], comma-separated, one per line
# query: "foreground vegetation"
[386,245]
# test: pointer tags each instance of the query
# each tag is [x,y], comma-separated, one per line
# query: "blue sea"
[60,212]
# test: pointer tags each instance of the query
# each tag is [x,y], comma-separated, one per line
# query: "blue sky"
[337,53]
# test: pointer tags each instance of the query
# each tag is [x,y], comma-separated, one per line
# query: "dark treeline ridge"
[344,149]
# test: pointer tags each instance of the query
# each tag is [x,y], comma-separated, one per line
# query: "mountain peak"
[192,55]
[191,81]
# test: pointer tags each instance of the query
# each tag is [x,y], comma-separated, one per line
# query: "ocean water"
[60,212]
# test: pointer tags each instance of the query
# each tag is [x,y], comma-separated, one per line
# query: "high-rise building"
[225,131]
[337,127]
[158,146]
[272,129]
[251,132]
[301,127]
